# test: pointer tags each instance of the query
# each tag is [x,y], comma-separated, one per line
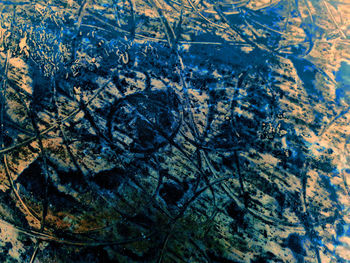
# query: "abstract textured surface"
[175,131]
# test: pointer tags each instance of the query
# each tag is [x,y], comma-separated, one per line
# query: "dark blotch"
[109,179]
[295,243]
[171,192]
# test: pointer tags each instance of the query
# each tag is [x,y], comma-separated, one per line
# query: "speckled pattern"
[174,131]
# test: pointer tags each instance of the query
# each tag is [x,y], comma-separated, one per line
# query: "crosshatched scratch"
[174,131]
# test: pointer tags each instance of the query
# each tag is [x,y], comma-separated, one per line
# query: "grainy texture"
[174,131]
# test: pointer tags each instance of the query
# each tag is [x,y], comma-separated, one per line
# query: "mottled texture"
[174,131]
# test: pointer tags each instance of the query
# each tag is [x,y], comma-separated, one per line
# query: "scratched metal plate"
[174,131]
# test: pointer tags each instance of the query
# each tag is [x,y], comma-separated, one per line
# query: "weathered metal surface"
[174,131]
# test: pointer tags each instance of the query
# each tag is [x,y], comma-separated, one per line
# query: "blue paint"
[339,229]
[331,188]
[306,71]
[347,233]
[295,243]
[339,94]
[343,75]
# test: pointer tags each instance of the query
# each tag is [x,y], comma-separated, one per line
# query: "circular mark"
[144,122]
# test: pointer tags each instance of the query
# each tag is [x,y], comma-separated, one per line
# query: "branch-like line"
[54,126]
[333,19]
[51,238]
[183,210]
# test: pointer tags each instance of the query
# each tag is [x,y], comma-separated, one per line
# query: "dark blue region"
[295,243]
[348,232]
[342,77]
[14,3]
[307,71]
[269,17]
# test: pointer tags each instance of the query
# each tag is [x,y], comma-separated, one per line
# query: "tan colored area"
[268,225]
